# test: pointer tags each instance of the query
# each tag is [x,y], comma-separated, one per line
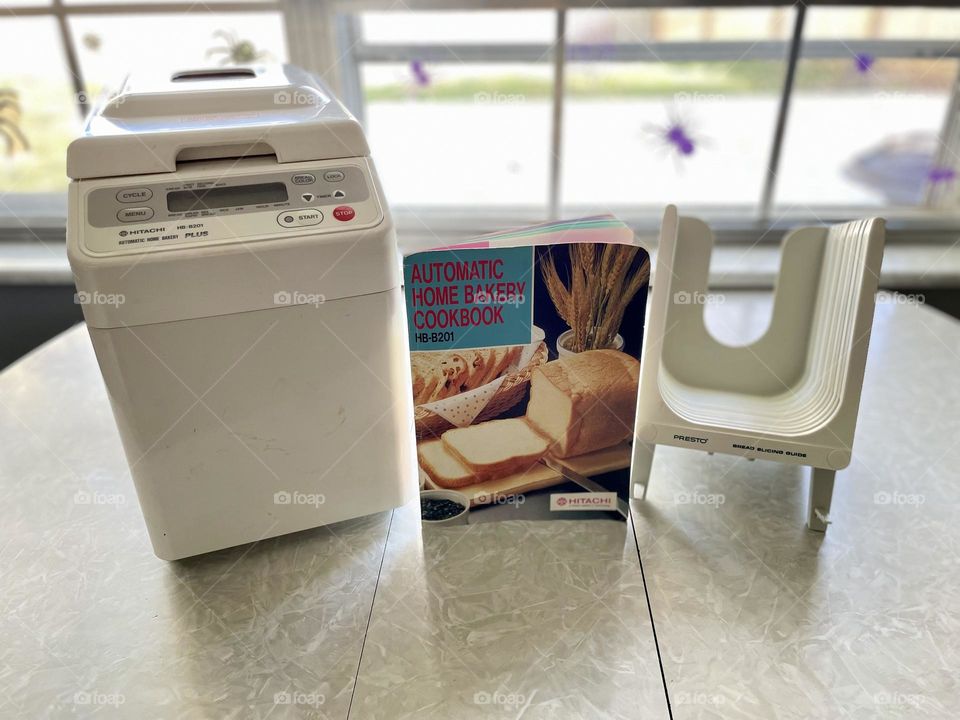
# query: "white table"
[754,616]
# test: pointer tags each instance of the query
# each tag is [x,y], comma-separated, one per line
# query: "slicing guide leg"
[820,496]
[640,469]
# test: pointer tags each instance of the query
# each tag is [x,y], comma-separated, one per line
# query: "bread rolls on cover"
[584,402]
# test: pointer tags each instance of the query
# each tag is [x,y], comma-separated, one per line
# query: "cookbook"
[524,359]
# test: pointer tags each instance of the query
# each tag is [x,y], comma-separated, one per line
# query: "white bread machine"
[238,272]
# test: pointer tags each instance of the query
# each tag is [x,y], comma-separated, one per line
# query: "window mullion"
[311,34]
[73,64]
[776,146]
[348,39]
[939,195]
[556,138]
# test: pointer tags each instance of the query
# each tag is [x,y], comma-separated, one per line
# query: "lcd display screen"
[238,195]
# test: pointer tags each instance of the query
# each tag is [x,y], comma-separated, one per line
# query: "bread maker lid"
[151,122]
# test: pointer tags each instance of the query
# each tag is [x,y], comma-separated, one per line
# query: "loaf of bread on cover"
[443,467]
[496,448]
[584,402]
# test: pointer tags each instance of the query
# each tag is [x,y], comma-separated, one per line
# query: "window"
[55,58]
[626,109]
[113,44]
[38,108]
[479,118]
[649,124]
[446,134]
[872,93]
[450,132]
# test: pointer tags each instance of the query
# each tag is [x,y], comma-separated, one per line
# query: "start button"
[300,218]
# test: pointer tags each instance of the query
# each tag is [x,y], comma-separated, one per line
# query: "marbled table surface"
[749,615]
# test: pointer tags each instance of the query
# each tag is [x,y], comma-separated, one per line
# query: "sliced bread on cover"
[496,448]
[500,361]
[584,402]
[443,467]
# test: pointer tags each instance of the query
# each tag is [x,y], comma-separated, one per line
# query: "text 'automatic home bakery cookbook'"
[524,358]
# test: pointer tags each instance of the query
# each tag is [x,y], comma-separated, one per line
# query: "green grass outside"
[660,80]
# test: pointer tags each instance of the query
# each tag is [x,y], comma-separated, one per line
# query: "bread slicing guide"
[791,396]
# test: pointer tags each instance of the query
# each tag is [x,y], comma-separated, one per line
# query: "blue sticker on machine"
[469,298]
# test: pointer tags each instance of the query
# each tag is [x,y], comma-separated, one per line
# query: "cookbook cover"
[525,351]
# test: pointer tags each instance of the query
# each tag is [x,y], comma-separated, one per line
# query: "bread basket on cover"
[513,387]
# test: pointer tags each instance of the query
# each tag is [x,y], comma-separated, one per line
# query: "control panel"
[193,208]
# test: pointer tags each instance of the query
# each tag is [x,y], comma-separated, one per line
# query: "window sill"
[735,265]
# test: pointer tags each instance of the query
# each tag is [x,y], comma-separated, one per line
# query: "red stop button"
[344,213]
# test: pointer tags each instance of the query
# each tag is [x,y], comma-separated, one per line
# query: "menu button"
[137,214]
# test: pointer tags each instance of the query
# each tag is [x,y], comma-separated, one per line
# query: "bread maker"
[239,277]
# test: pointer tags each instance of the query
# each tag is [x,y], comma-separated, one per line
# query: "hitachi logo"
[146,231]
[690,439]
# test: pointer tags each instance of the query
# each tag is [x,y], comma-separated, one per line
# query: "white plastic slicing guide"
[791,396]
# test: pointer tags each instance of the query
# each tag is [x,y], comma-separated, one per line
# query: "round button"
[333,176]
[344,213]
[303,179]
[137,214]
[131,195]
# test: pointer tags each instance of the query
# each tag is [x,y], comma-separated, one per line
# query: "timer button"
[300,218]
[137,214]
[344,213]
[131,195]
